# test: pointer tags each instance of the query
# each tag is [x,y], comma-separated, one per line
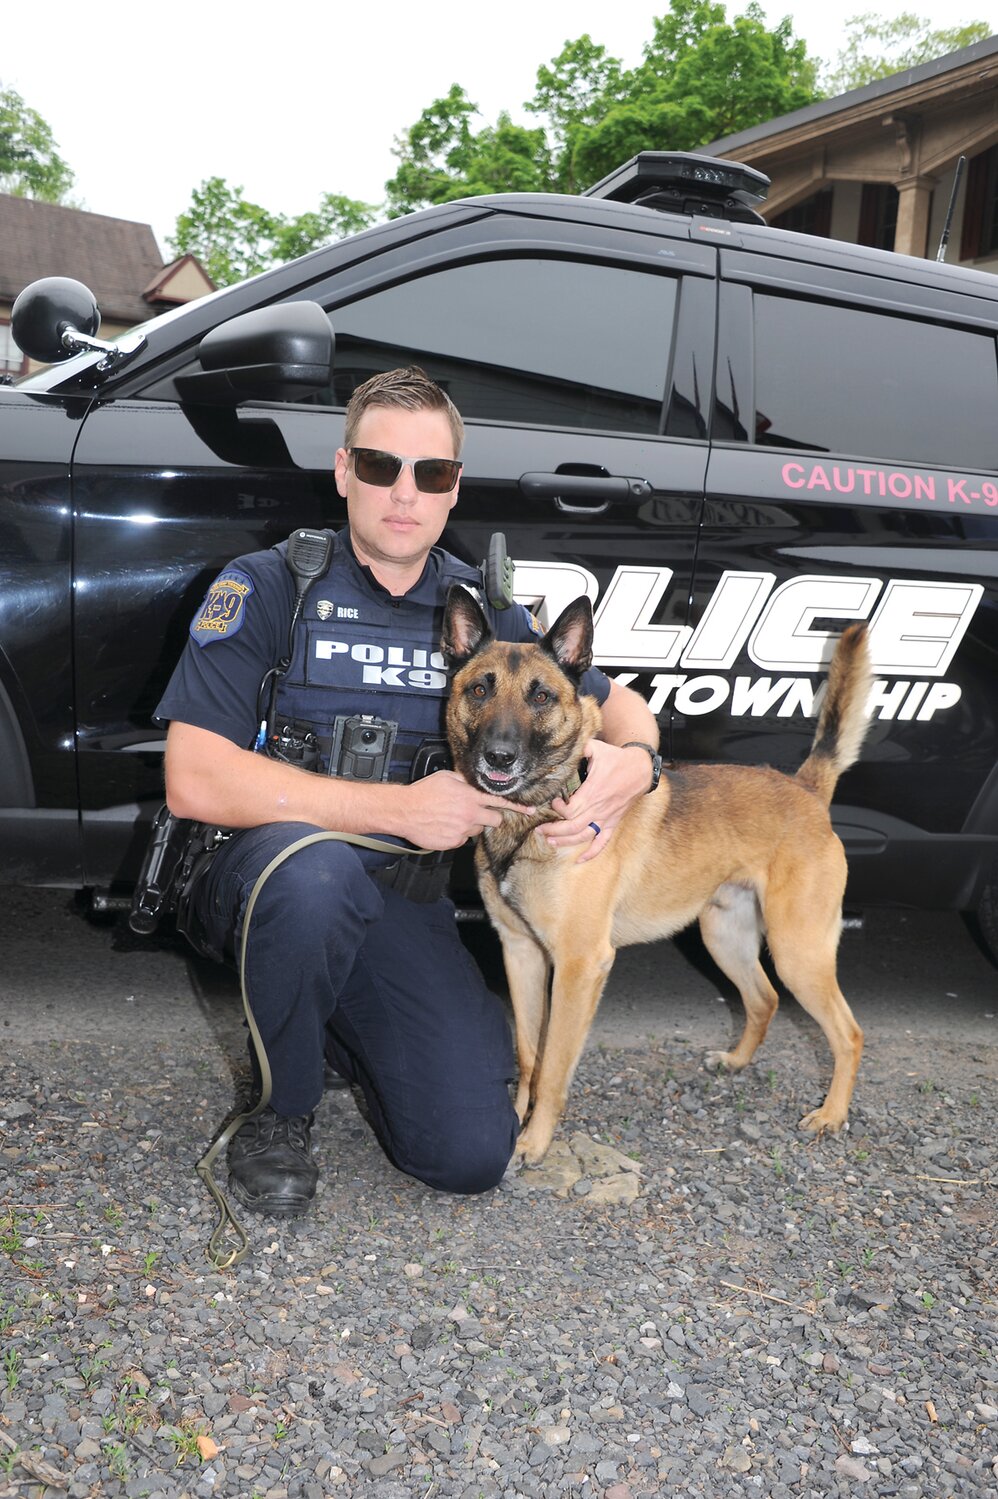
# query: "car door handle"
[598,491]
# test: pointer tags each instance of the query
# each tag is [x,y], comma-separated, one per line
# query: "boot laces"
[293,1129]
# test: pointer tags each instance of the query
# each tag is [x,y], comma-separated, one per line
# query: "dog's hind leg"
[812,980]
[528,973]
[803,935]
[731,927]
[579,980]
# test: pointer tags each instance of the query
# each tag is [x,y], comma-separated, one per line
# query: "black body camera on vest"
[362,747]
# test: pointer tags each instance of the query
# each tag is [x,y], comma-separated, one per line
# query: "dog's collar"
[573,783]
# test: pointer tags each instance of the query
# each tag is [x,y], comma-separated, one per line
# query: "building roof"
[165,287]
[921,78]
[116,258]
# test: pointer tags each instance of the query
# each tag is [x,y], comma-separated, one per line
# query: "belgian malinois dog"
[746,849]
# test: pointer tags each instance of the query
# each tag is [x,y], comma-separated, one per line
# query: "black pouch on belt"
[419,877]
[422,877]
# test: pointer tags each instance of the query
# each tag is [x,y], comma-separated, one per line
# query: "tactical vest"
[359,651]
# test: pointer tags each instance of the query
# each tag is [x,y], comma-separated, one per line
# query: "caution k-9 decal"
[784,629]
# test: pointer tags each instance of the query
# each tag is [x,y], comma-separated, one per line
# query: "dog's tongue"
[498,777]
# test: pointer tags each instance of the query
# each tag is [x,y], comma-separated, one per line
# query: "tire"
[987,916]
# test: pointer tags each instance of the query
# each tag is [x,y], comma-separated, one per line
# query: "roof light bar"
[681,182]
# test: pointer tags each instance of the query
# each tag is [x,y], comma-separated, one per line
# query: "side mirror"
[272,354]
[50,315]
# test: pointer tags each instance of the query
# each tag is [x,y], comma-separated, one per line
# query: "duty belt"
[420,878]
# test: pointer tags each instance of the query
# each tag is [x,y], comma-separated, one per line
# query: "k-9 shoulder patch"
[224,609]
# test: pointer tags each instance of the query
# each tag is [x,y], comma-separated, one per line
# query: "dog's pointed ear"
[570,638]
[466,629]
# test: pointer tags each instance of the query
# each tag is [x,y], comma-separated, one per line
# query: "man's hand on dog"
[617,777]
[444,811]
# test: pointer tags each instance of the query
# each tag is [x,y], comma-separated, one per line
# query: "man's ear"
[466,630]
[570,638]
[341,464]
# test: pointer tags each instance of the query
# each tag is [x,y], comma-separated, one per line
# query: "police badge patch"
[224,609]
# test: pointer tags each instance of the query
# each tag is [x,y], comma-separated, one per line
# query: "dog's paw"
[532,1145]
[720,1061]
[821,1121]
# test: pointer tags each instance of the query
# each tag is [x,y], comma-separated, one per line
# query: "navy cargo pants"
[338,964]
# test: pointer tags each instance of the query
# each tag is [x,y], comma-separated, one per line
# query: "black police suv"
[734,439]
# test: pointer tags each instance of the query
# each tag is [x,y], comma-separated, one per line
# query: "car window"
[552,342]
[846,380]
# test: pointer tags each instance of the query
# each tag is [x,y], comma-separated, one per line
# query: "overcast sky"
[291,101]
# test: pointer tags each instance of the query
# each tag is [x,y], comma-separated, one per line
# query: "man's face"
[397,526]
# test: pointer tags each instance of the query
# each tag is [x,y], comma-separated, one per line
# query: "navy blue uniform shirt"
[241,632]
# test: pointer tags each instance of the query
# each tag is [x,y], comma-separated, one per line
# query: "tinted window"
[554,342]
[839,380]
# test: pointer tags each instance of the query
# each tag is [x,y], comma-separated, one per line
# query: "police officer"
[341,963]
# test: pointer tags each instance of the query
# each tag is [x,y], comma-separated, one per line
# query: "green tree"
[30,166]
[644,125]
[335,218]
[574,94]
[508,158]
[442,157]
[877,46]
[701,77]
[234,238]
[231,237]
[730,74]
[433,155]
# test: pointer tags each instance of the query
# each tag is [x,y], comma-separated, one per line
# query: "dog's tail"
[842,721]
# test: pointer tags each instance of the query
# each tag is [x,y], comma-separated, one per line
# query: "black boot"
[270,1164]
[332,1078]
[338,1069]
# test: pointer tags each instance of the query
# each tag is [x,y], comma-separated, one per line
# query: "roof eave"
[780,132]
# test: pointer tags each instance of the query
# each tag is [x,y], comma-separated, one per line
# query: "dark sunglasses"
[431,475]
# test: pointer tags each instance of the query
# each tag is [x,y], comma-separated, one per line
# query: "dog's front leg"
[528,973]
[579,981]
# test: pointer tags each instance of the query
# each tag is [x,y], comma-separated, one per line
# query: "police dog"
[747,850]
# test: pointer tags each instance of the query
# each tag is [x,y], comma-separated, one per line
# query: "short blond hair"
[408,389]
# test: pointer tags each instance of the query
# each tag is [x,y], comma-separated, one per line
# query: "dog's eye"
[479,690]
[541,696]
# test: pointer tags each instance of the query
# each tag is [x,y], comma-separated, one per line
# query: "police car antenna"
[944,240]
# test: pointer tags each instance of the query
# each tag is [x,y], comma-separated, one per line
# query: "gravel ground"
[687,1297]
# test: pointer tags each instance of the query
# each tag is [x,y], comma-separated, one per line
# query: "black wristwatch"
[656,761]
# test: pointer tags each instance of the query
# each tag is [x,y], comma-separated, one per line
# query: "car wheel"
[987,916]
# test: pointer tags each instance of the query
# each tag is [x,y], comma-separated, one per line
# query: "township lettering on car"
[916,627]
